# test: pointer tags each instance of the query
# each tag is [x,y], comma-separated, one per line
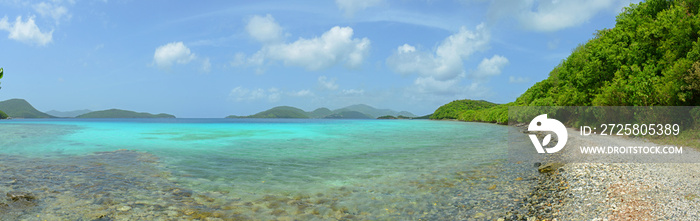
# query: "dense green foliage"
[387,117]
[472,110]
[19,108]
[650,58]
[116,113]
[348,115]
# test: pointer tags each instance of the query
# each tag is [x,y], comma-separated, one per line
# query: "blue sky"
[217,58]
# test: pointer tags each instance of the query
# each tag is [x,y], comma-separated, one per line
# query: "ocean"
[258,169]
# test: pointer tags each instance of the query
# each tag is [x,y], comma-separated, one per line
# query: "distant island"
[74,113]
[390,117]
[116,113]
[20,108]
[358,111]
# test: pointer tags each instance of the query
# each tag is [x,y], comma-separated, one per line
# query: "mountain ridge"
[118,113]
[356,111]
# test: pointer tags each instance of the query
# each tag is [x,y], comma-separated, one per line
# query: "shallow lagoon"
[258,169]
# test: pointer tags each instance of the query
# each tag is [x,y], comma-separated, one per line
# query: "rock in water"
[549,167]
[124,208]
[15,196]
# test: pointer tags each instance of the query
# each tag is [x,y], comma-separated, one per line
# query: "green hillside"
[279,112]
[372,112]
[650,58]
[349,115]
[453,109]
[19,108]
[116,113]
[320,113]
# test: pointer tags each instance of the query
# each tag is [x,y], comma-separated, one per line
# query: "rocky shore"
[576,190]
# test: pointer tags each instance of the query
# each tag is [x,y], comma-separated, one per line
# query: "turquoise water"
[266,169]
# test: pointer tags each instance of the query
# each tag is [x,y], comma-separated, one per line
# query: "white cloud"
[490,66]
[327,84]
[337,45]
[552,15]
[517,80]
[175,52]
[206,65]
[430,85]
[26,32]
[352,6]
[55,11]
[264,29]
[440,71]
[353,92]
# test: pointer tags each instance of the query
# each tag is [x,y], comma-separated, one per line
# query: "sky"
[212,59]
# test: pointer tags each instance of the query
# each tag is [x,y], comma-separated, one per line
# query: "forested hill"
[650,58]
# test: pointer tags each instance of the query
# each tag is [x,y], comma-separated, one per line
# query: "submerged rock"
[15,196]
[550,167]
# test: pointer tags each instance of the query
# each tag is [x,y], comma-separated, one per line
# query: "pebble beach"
[615,191]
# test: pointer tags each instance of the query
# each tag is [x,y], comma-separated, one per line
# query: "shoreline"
[614,191]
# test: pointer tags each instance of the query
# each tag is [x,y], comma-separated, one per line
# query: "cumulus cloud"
[440,70]
[337,45]
[171,53]
[490,66]
[552,15]
[264,29]
[352,6]
[327,84]
[271,94]
[26,31]
[55,11]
